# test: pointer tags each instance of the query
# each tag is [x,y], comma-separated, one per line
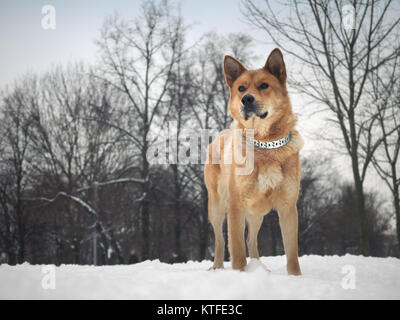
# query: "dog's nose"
[247,100]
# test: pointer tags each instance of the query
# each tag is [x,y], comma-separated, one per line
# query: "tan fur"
[275,180]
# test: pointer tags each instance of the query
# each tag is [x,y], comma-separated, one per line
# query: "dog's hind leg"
[253,226]
[216,215]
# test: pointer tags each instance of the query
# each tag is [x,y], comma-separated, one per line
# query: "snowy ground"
[324,277]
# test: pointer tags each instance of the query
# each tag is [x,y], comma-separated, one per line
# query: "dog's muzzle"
[250,107]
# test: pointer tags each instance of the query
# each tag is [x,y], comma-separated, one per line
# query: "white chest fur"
[269,178]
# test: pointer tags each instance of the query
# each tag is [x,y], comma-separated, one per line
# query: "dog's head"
[258,98]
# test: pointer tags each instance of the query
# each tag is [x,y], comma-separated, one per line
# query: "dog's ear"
[276,65]
[232,70]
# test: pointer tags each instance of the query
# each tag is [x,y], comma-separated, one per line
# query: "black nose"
[247,99]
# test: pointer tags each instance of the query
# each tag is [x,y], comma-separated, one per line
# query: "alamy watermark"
[191,147]
[348,17]
[349,279]
[49,278]
[49,17]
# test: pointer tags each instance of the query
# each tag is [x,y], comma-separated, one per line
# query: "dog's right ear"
[276,66]
[232,70]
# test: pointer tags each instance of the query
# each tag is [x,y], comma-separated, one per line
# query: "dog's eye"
[263,85]
[241,88]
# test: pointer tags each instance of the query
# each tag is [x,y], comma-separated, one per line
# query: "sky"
[27,47]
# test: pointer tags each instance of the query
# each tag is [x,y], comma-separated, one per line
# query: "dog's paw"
[239,264]
[215,267]
[293,269]
[294,272]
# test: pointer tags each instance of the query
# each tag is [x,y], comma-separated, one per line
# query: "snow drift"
[324,277]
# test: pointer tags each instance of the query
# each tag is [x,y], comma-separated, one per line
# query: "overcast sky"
[26,46]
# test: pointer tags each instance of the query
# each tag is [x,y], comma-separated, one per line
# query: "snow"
[324,277]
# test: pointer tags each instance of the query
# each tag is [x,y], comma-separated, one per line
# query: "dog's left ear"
[276,65]
[232,70]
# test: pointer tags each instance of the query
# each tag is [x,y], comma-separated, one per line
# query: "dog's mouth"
[247,112]
[264,115]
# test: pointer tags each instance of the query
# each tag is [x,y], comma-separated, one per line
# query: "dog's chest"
[269,177]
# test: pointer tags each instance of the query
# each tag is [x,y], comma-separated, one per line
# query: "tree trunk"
[145,228]
[144,207]
[177,212]
[364,239]
[21,234]
[9,242]
[77,249]
[397,210]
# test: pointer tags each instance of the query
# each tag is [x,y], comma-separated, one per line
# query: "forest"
[76,184]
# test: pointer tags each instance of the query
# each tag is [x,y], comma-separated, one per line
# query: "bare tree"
[67,152]
[180,96]
[335,46]
[386,94]
[138,58]
[16,129]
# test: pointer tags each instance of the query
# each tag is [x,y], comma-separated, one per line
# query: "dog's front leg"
[237,248]
[288,220]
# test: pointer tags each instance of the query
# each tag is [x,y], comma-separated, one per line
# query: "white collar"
[269,144]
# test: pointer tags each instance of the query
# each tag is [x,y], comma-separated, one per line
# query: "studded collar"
[269,144]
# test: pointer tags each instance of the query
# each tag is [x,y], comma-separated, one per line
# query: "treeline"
[76,185]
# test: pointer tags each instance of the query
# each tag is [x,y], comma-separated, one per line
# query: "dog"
[258,101]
